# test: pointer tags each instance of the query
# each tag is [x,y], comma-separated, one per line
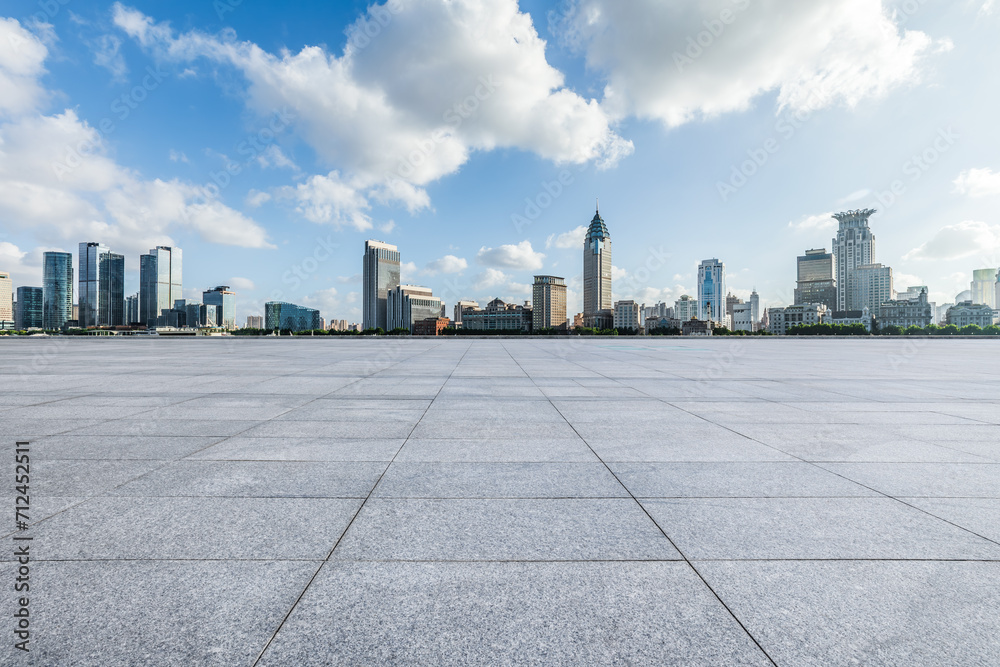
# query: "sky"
[268,142]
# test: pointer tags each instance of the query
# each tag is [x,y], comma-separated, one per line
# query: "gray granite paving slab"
[470,529]
[887,451]
[302,449]
[406,479]
[99,613]
[667,448]
[980,515]
[732,479]
[125,447]
[510,614]
[171,427]
[259,479]
[866,613]
[794,528]
[496,449]
[330,429]
[925,479]
[195,528]
[80,477]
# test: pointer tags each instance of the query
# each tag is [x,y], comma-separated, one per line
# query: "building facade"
[408,304]
[30,308]
[57,289]
[627,315]
[432,326]
[906,313]
[548,303]
[712,290]
[968,312]
[279,315]
[984,287]
[255,322]
[685,308]
[782,319]
[101,286]
[743,318]
[225,300]
[853,247]
[160,282]
[459,307]
[498,316]
[597,301]
[815,282]
[380,275]
[6,301]
[871,286]
[849,318]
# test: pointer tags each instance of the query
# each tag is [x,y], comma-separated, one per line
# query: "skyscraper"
[712,290]
[380,275]
[853,247]
[755,309]
[29,308]
[984,287]
[815,282]
[597,302]
[102,286]
[548,303]
[871,286]
[160,280]
[57,289]
[225,299]
[408,304]
[6,301]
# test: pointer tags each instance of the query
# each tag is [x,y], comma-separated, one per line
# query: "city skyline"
[493,201]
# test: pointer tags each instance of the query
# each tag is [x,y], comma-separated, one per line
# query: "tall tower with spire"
[597,273]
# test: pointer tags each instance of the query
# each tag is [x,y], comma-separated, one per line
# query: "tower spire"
[598,205]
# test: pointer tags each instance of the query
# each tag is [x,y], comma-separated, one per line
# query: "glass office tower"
[57,289]
[281,315]
[102,286]
[160,280]
[380,275]
[29,308]
[225,300]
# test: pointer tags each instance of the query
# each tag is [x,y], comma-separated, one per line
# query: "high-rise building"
[225,299]
[743,319]
[755,309]
[160,281]
[57,289]
[6,301]
[255,322]
[731,302]
[712,290]
[597,301]
[626,315]
[685,308]
[548,303]
[29,308]
[853,247]
[871,286]
[984,287]
[406,304]
[102,286]
[281,316]
[132,309]
[815,282]
[380,276]
[457,320]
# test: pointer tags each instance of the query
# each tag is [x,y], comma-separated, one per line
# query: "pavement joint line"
[663,532]
[350,523]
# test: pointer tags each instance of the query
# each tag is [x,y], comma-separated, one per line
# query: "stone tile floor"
[451,502]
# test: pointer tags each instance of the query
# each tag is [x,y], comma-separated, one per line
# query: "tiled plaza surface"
[491,502]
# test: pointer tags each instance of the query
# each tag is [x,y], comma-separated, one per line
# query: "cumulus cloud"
[978,183]
[573,239]
[241,284]
[22,58]
[440,81]
[489,278]
[814,223]
[447,264]
[682,61]
[521,256]
[107,54]
[964,239]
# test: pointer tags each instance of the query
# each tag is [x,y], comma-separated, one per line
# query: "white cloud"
[272,156]
[396,115]
[681,61]
[958,241]
[22,57]
[520,256]
[489,278]
[978,183]
[407,271]
[573,239]
[242,284]
[814,223]
[447,264]
[177,156]
[326,301]
[107,54]
[903,280]
[256,198]
[988,7]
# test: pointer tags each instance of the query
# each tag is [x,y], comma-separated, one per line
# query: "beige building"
[548,303]
[6,301]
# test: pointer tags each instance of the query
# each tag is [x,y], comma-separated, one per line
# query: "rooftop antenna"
[598,204]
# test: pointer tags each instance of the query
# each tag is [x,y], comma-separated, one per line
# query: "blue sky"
[477,134]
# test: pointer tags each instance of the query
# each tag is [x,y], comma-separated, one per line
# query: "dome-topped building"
[597,273]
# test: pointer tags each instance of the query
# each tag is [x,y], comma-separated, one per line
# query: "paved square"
[534,501]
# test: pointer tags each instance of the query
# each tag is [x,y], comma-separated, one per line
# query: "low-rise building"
[851,317]
[409,304]
[280,315]
[664,322]
[626,315]
[965,313]
[906,313]
[743,317]
[783,319]
[432,326]
[498,316]
[697,327]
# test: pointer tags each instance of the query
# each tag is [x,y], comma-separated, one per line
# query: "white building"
[6,302]
[712,290]
[627,315]
[966,313]
[850,318]
[743,317]
[984,287]
[685,308]
[782,319]
[871,286]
